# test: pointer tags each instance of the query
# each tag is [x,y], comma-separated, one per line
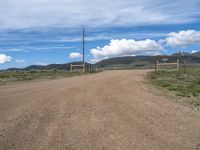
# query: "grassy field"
[13,76]
[185,83]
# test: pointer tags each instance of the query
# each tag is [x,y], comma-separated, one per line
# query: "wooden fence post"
[83,66]
[71,67]
[156,66]
[177,64]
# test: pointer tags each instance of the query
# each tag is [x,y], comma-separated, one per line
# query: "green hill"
[139,61]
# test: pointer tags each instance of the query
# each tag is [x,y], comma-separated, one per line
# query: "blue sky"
[47,31]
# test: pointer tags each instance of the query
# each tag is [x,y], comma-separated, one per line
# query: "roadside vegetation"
[184,83]
[13,76]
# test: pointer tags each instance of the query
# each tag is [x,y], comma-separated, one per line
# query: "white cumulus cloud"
[20,61]
[127,47]
[4,58]
[41,63]
[183,38]
[75,55]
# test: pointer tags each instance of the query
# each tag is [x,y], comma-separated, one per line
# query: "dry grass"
[185,83]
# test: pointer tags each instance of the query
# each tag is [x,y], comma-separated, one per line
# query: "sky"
[42,32]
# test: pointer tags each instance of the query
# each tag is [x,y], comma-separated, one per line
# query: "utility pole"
[83,48]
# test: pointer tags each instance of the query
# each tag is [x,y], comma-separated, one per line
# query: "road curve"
[112,110]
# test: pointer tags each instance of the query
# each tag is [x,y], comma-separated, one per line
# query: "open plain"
[111,110]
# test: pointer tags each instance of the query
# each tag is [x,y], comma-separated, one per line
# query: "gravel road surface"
[112,110]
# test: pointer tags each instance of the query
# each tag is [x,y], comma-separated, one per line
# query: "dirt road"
[111,110]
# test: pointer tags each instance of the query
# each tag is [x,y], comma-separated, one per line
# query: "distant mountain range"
[48,67]
[127,61]
[196,54]
[139,61]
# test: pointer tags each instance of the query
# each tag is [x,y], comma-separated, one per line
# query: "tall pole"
[83,48]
